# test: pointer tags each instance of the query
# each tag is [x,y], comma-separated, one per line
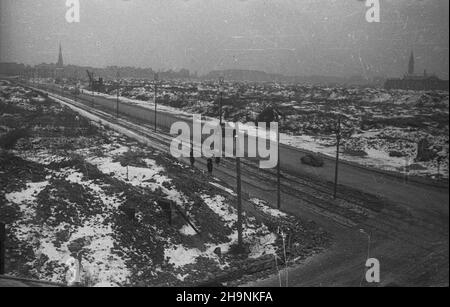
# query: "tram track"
[349,210]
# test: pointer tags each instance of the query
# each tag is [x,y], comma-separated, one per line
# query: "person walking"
[210,165]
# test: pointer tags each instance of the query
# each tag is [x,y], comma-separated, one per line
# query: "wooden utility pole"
[338,143]
[117,103]
[93,96]
[278,169]
[238,189]
[220,99]
[2,248]
[239,201]
[156,94]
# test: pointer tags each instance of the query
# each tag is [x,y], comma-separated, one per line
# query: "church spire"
[60,58]
[411,64]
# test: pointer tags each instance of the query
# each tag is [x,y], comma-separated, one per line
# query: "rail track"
[352,208]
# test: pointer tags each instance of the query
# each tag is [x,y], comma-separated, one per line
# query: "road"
[402,224]
[358,177]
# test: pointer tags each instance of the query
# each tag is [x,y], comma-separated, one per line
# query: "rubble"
[122,207]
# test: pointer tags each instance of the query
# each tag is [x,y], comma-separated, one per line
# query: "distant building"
[411,64]
[12,69]
[411,81]
[60,63]
[59,71]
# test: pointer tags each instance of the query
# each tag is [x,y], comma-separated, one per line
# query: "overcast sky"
[293,37]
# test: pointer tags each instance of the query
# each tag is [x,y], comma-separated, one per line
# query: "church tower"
[60,58]
[411,64]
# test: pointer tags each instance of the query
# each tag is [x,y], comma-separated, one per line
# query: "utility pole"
[338,143]
[278,167]
[239,190]
[156,94]
[92,90]
[239,201]
[220,99]
[117,103]
[75,91]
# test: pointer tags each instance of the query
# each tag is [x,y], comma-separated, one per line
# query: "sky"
[291,37]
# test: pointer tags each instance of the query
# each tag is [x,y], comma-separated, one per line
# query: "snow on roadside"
[229,191]
[187,230]
[262,205]
[226,212]
[261,240]
[376,158]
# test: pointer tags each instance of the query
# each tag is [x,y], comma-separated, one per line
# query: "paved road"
[391,187]
[408,233]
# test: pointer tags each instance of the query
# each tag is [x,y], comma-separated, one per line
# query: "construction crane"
[95,85]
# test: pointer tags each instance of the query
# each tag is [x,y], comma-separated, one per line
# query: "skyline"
[293,38]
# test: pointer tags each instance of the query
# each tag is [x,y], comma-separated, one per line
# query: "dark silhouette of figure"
[192,159]
[210,165]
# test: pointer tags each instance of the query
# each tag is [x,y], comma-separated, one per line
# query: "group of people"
[209,163]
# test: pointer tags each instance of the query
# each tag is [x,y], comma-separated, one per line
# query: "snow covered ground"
[376,154]
[101,265]
[376,143]
[67,190]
